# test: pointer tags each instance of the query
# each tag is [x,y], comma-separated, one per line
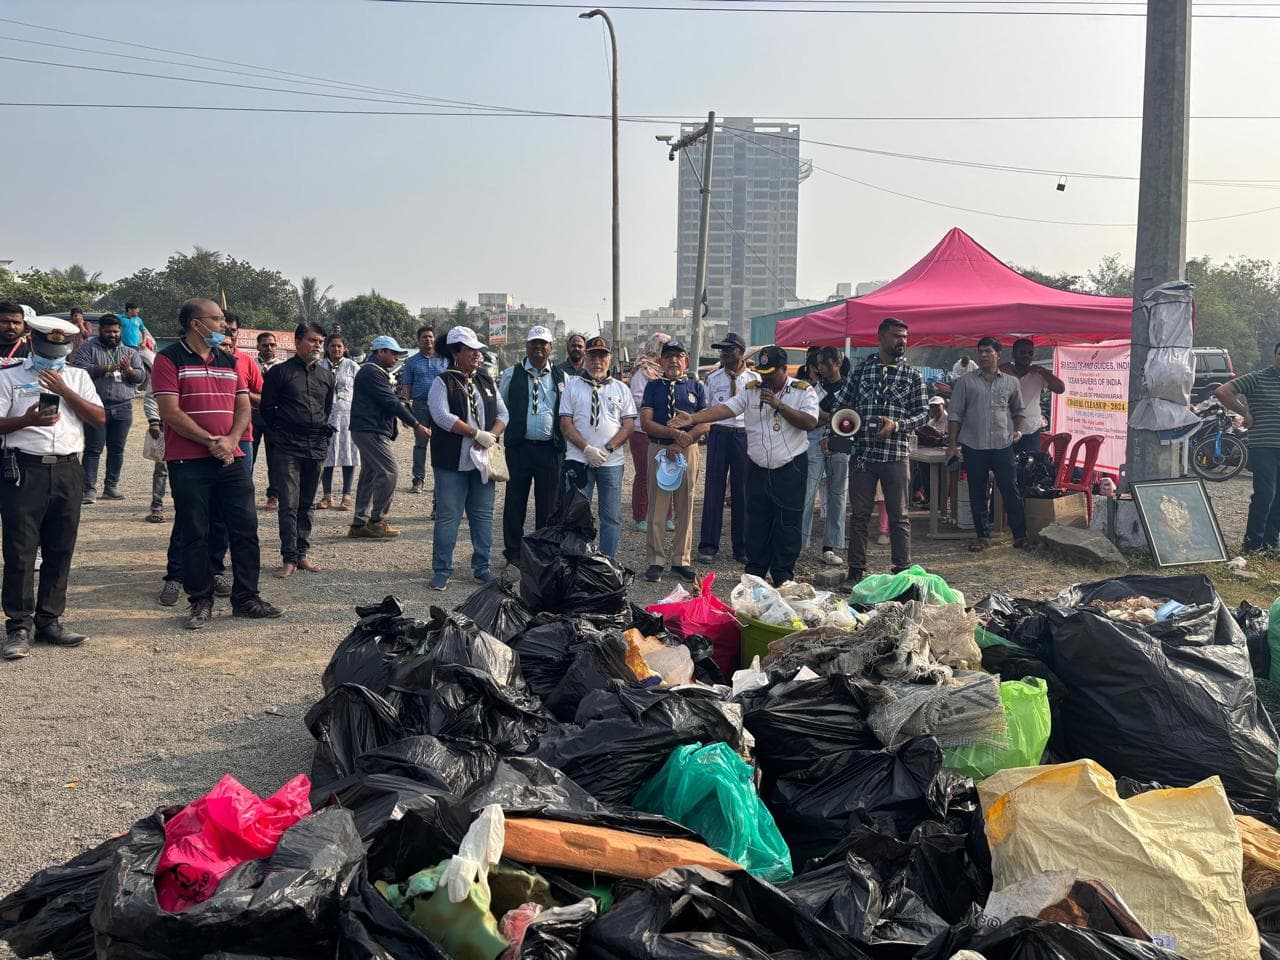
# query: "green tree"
[1063,281]
[313,304]
[263,298]
[461,315]
[1110,278]
[46,293]
[371,314]
[76,273]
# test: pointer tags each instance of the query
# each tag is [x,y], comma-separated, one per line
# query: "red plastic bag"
[709,616]
[230,824]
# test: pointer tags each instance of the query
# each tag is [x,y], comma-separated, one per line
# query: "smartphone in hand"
[49,401]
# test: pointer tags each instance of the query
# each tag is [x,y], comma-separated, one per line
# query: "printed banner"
[1097,397]
[497,330]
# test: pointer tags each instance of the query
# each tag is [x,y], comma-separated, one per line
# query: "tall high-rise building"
[755,192]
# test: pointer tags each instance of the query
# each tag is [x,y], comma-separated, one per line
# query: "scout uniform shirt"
[772,442]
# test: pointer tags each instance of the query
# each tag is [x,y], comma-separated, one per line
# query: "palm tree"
[461,315]
[314,305]
[76,273]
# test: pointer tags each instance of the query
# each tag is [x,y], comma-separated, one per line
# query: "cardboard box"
[1070,510]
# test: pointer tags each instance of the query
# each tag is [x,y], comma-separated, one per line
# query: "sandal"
[326,503]
[346,503]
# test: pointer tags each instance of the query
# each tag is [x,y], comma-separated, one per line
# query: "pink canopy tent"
[958,293]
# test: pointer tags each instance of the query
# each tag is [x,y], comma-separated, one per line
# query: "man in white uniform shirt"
[779,411]
[44,408]
[726,454]
[597,417]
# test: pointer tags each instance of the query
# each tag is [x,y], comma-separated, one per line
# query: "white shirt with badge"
[616,404]
[771,441]
[20,391]
[720,385]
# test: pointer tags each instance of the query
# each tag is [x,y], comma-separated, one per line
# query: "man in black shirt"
[297,397]
[13,333]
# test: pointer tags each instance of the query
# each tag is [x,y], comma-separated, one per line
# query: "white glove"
[595,457]
[485,439]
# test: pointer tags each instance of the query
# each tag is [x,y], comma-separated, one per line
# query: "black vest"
[518,406]
[446,446]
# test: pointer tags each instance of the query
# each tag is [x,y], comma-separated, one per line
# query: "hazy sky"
[426,210]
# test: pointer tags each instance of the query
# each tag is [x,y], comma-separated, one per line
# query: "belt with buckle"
[730,429]
[47,457]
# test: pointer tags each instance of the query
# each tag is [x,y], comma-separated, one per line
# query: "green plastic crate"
[756,637]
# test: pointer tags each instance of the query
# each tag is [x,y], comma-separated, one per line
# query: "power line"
[667,8]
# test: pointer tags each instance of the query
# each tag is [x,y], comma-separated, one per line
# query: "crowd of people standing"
[752,435]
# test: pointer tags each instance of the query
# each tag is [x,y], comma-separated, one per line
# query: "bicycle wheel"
[1219,458]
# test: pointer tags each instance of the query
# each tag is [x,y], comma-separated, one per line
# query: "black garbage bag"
[1028,938]
[380,635]
[561,570]
[868,903]
[889,791]
[565,658]
[1254,622]
[705,668]
[370,929]
[496,610]
[50,912]
[377,799]
[555,934]
[1270,945]
[1172,701]
[1265,907]
[1019,622]
[799,722]
[453,765]
[621,737]
[692,912]
[347,722]
[285,906]
[468,686]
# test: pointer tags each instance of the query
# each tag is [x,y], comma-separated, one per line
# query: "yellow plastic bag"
[1174,856]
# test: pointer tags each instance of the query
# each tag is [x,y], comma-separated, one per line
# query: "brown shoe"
[272,503]
[385,529]
[345,504]
[357,532]
[326,503]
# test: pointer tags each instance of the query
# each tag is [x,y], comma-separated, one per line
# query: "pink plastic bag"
[707,615]
[227,826]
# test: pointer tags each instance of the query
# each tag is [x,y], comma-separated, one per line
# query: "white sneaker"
[883,540]
[832,559]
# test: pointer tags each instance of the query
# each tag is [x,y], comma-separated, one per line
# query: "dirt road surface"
[147,713]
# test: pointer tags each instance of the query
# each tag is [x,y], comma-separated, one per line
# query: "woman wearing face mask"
[468,415]
[648,367]
[342,452]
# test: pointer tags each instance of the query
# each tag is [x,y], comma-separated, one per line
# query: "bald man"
[204,405]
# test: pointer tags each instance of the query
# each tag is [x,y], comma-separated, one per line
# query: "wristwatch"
[608,448]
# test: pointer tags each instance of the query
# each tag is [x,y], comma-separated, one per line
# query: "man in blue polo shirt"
[416,377]
[662,398]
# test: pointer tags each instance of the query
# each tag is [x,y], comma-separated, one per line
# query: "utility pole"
[1161,253]
[617,228]
[704,228]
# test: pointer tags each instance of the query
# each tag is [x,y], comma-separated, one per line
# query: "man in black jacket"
[374,411]
[297,396]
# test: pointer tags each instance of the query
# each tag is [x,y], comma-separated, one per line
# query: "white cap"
[539,333]
[53,325]
[465,336]
[936,401]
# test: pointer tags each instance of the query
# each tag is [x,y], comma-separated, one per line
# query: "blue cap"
[386,343]
[670,470]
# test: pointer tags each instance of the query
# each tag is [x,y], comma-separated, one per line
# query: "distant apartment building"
[676,322]
[755,192]
[521,318]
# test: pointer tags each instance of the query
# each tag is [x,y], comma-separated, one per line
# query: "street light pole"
[617,228]
[704,226]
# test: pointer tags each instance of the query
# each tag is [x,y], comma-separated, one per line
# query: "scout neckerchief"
[595,400]
[671,396]
[469,380]
[535,386]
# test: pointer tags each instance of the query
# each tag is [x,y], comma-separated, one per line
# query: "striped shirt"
[1262,389]
[206,392]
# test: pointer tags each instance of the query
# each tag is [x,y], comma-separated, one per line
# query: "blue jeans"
[1263,529]
[836,468]
[113,436]
[459,491]
[608,480]
[1030,443]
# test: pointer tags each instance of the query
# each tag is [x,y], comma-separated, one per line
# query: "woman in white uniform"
[342,452]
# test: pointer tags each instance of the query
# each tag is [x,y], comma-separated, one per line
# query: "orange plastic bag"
[707,615]
[227,826]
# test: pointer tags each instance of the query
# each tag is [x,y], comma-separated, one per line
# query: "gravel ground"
[147,714]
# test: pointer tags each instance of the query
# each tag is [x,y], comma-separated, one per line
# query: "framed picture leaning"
[1179,521]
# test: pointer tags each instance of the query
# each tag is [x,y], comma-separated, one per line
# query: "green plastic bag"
[1026,711]
[880,587]
[708,789]
[1273,641]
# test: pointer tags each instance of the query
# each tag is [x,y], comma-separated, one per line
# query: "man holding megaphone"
[886,397]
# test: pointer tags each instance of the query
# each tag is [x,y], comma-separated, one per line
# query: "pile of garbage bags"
[539,780]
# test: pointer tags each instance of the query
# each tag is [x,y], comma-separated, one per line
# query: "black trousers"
[978,464]
[260,440]
[202,488]
[297,479]
[41,510]
[775,504]
[531,464]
